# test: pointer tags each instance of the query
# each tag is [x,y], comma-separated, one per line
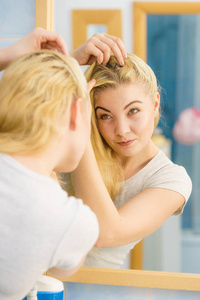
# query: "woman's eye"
[133,111]
[104,117]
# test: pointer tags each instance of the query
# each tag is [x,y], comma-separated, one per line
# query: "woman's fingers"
[53,39]
[106,44]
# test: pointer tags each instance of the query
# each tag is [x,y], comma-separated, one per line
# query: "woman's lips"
[127,143]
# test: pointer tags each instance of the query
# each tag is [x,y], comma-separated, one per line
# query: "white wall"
[63,21]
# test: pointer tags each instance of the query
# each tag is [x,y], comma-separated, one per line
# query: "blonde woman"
[137,187]
[44,127]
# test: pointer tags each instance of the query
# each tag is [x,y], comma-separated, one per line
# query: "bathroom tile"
[82,291]
[17,18]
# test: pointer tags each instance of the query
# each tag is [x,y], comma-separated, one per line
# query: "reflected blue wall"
[83,291]
[172,54]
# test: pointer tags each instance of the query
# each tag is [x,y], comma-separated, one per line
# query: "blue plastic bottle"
[48,288]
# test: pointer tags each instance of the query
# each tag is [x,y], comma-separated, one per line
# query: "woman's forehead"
[123,93]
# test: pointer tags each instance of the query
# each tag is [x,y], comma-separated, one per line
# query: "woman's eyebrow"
[132,102]
[101,108]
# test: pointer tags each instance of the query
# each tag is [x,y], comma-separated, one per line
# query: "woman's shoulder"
[161,165]
[163,173]
[161,159]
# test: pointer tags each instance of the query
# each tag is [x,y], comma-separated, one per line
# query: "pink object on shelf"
[187,129]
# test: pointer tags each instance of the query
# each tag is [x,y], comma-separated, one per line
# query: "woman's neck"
[35,163]
[132,165]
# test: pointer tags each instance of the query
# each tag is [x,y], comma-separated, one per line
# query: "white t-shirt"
[160,172]
[41,227]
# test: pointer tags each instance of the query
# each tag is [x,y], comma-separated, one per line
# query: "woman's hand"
[99,47]
[37,39]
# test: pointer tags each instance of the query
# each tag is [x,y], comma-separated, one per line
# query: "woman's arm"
[137,218]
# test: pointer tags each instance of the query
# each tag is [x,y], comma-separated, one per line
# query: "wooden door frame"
[44,14]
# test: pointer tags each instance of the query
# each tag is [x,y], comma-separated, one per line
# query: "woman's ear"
[75,114]
[156,104]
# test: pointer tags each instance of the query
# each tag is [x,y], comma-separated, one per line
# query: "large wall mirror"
[167,36]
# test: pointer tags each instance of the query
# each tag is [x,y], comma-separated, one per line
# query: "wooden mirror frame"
[140,11]
[82,18]
[135,278]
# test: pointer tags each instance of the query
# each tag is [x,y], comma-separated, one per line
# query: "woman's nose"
[122,127]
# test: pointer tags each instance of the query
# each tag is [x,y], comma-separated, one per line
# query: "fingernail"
[121,62]
[125,55]
[99,62]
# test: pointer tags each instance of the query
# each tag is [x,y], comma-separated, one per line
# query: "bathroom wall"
[17,18]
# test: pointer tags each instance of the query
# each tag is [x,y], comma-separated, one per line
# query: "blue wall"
[17,18]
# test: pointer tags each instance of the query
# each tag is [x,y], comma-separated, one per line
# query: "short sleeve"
[78,240]
[171,177]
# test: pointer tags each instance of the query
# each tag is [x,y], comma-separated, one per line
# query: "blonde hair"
[136,71]
[35,91]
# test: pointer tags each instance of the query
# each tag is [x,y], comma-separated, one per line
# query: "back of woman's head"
[35,92]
